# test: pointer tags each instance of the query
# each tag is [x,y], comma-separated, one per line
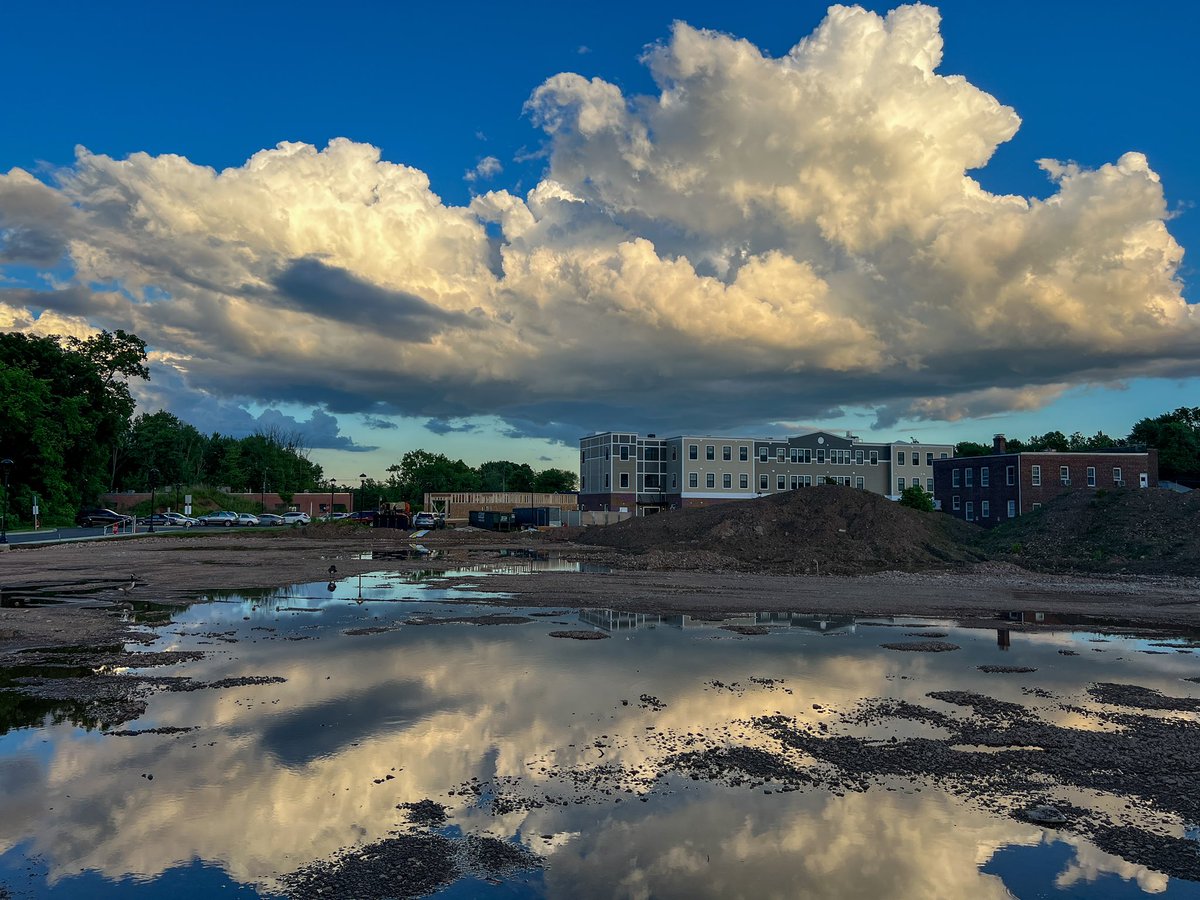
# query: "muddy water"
[607,760]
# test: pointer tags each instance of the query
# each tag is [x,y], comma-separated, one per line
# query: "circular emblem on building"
[820,440]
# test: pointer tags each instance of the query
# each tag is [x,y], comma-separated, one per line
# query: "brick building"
[992,489]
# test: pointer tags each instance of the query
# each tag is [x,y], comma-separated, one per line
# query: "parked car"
[90,518]
[177,520]
[363,515]
[247,519]
[221,517]
[295,518]
[425,520]
[270,519]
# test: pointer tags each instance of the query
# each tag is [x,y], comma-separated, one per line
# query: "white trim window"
[744,481]
[710,452]
[1035,476]
[763,483]
[727,453]
[1012,509]
[984,477]
[860,482]
[779,454]
[874,457]
[858,457]
[899,485]
[1010,475]
[956,505]
[781,483]
[1117,479]
[984,508]
[1064,475]
[727,480]
[693,451]
[969,478]
[1091,476]
[900,454]
[970,511]
[795,482]
[710,480]
[624,479]
[956,478]
[929,485]
[762,454]
[744,454]
[693,479]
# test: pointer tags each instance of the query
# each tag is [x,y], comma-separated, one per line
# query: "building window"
[693,451]
[674,481]
[762,482]
[744,454]
[970,516]
[1012,509]
[821,456]
[929,458]
[795,482]
[899,485]
[985,508]
[795,454]
[956,506]
[582,484]
[1064,474]
[1091,476]
[985,477]
[874,457]
[1037,506]
[900,457]
[624,451]
[779,454]
[956,478]
[606,482]
[969,478]
[693,479]
[1117,479]
[606,452]
[744,481]
[1035,476]
[727,480]
[710,452]
[860,482]
[1010,475]
[624,479]
[726,452]
[858,457]
[710,480]
[762,454]
[943,456]
[781,483]
[929,485]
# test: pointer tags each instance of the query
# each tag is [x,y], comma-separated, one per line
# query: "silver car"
[221,517]
[247,519]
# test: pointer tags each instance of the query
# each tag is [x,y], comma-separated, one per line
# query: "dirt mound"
[1145,532]
[827,530]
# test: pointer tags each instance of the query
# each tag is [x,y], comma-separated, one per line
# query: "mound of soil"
[1146,532]
[825,530]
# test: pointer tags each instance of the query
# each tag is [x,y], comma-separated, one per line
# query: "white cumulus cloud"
[760,239]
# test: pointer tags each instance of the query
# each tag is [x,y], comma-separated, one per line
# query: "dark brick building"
[991,489]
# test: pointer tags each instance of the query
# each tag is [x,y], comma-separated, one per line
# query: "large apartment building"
[992,489]
[645,474]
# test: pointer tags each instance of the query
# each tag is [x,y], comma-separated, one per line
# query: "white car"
[247,519]
[295,518]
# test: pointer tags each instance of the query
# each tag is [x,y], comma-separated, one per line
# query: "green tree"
[503,475]
[67,406]
[419,472]
[1176,437]
[970,448]
[553,481]
[914,496]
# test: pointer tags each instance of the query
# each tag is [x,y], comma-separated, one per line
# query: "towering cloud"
[763,238]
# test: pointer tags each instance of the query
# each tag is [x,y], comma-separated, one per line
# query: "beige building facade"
[645,474]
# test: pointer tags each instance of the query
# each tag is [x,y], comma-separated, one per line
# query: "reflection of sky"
[280,774]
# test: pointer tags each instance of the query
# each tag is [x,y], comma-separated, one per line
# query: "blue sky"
[443,88]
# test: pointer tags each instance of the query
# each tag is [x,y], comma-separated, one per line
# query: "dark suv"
[90,518]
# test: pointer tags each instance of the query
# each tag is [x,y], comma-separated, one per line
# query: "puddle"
[794,756]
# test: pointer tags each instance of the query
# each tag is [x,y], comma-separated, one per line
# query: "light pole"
[262,495]
[153,485]
[6,464]
[332,488]
[362,491]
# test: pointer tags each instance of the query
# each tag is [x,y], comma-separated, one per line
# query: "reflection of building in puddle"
[808,621]
[614,620]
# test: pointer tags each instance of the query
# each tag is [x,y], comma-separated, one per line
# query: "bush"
[915,497]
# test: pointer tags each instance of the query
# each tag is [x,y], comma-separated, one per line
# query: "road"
[58,534]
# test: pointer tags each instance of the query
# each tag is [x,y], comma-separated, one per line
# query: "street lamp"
[5,465]
[362,491]
[153,485]
[332,488]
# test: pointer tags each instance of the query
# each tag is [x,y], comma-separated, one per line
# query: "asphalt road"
[58,534]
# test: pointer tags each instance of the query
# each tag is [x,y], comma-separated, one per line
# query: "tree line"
[67,423]
[1175,435]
